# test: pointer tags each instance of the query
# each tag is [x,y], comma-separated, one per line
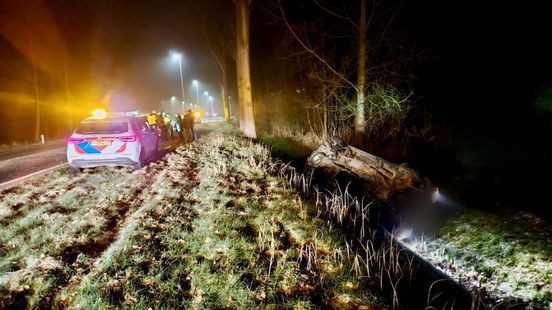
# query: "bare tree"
[360,119]
[247,120]
[64,81]
[374,57]
[360,122]
[217,32]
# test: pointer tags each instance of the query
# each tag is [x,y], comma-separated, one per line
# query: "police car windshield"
[102,127]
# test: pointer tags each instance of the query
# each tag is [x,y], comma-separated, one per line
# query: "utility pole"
[181,79]
[196,84]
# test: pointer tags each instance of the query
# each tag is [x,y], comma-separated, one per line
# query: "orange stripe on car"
[122,148]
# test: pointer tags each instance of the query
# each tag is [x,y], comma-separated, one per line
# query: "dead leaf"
[129,299]
[113,284]
[261,296]
[148,282]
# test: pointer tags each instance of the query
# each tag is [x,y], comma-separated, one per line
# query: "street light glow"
[210,98]
[99,113]
[196,84]
[206,93]
[176,56]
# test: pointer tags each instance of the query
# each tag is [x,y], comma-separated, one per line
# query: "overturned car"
[398,187]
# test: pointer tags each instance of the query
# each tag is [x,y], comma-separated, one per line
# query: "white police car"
[111,140]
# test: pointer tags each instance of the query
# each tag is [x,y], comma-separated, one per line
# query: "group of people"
[166,128]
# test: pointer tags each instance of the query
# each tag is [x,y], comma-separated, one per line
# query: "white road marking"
[12,183]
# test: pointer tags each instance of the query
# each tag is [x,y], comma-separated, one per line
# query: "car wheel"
[75,170]
[141,161]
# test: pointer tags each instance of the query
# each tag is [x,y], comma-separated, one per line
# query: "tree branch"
[336,15]
[311,51]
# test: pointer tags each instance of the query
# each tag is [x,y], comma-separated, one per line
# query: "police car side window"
[134,125]
[143,125]
[137,125]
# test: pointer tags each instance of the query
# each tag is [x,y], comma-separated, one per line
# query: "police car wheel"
[141,161]
[75,170]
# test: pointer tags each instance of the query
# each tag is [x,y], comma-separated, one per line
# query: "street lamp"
[211,103]
[178,57]
[196,84]
[173,98]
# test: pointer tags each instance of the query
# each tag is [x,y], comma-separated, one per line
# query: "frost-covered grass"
[206,227]
[52,224]
[509,255]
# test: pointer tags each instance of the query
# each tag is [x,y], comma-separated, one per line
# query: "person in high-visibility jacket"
[166,119]
[168,125]
[152,118]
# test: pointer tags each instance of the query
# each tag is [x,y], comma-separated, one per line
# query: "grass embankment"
[293,145]
[508,255]
[206,227]
[288,147]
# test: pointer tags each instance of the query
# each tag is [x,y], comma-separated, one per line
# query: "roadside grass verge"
[239,238]
[141,267]
[509,256]
[47,224]
[53,228]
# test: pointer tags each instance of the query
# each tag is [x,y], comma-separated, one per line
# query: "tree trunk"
[68,96]
[360,118]
[325,120]
[224,94]
[247,120]
[224,90]
[220,57]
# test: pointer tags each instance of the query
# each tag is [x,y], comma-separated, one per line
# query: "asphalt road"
[17,165]
[22,150]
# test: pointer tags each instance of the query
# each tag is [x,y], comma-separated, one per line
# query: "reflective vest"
[152,119]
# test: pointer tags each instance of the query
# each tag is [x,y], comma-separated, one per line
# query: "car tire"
[141,161]
[75,170]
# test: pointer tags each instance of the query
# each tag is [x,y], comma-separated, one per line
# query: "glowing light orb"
[99,113]
[436,196]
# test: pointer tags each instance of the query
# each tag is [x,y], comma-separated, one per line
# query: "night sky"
[490,58]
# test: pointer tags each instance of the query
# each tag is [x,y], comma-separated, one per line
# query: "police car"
[111,140]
